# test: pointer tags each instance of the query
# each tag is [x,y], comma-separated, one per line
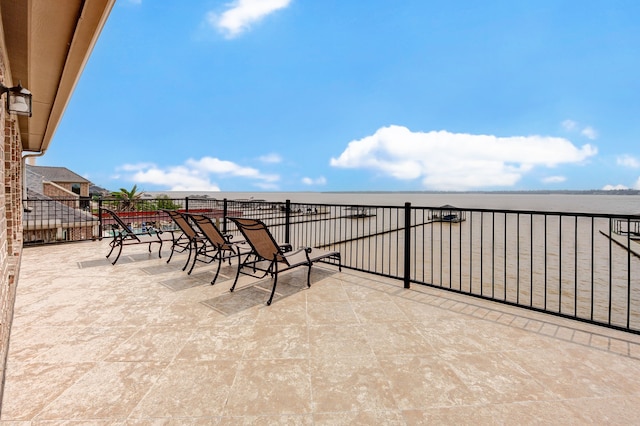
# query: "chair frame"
[187,239]
[212,241]
[126,236]
[264,249]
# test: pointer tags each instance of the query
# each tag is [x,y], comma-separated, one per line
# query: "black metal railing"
[575,265]
[64,219]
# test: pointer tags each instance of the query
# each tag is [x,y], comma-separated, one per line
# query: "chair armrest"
[306,249]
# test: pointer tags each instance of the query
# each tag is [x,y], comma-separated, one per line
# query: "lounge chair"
[267,257]
[124,235]
[214,245]
[183,239]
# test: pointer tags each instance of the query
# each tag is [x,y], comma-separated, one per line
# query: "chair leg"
[191,248]
[217,270]
[118,256]
[195,258]
[309,276]
[275,282]
[171,254]
[113,245]
[237,273]
[174,244]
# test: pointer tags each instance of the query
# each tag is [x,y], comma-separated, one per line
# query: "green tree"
[164,202]
[127,198]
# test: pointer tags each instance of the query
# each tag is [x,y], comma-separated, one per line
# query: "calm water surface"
[558,202]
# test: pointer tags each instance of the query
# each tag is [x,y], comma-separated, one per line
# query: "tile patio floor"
[143,343]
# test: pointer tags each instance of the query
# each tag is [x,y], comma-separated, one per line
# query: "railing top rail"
[384,206]
[480,210]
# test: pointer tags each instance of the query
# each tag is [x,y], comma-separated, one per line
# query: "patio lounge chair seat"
[268,258]
[213,244]
[123,235]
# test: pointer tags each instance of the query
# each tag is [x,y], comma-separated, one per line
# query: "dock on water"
[626,241]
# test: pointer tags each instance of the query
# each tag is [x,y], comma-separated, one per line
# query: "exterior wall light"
[18,99]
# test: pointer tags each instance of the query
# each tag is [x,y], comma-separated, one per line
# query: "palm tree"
[128,198]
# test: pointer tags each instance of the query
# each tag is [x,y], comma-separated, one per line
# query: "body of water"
[556,202]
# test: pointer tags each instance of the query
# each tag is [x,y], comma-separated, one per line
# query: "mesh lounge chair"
[268,258]
[215,246]
[185,238]
[124,235]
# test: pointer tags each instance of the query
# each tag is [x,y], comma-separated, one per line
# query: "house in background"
[57,206]
[97,191]
[60,181]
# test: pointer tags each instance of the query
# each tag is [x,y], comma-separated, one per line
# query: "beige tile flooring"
[143,343]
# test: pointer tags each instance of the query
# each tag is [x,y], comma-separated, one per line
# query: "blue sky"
[334,95]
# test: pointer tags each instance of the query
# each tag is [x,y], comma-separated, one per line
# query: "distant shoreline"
[507,192]
[590,201]
[524,192]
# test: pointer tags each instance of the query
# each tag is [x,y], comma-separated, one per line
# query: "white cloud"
[271,158]
[554,179]
[177,178]
[195,175]
[242,13]
[589,132]
[628,161]
[318,181]
[613,187]
[135,167]
[455,161]
[228,168]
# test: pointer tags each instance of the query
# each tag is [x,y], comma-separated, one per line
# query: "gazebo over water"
[448,213]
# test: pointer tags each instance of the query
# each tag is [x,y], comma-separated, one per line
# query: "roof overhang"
[48,43]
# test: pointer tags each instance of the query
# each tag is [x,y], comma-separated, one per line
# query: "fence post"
[186,203]
[224,216]
[287,220]
[100,218]
[407,245]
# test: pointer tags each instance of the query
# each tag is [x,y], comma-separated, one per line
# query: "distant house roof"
[34,181]
[57,174]
[98,190]
[43,209]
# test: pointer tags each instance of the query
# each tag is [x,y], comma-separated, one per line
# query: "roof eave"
[48,45]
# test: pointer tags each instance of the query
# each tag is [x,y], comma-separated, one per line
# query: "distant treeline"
[534,191]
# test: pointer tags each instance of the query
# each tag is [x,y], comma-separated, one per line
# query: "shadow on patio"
[142,342]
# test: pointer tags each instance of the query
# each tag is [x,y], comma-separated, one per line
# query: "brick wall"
[84,189]
[57,191]
[7,291]
[10,218]
[57,234]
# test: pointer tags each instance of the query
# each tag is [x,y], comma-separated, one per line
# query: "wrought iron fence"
[580,266]
[46,220]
